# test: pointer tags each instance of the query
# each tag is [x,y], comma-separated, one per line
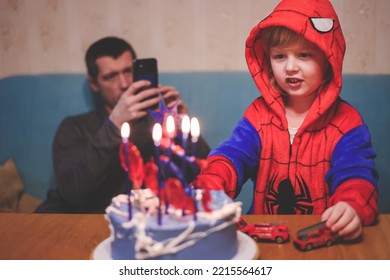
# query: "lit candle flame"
[195,130]
[157,134]
[125,132]
[185,126]
[170,126]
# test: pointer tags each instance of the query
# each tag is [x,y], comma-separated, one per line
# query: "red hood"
[312,19]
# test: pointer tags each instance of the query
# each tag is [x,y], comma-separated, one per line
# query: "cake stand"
[247,249]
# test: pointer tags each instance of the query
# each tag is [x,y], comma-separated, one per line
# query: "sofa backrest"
[32,106]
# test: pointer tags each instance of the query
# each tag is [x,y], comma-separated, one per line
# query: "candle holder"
[168,174]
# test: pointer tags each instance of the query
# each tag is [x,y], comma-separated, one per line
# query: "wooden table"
[65,236]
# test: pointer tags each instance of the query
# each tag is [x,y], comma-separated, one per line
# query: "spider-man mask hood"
[316,20]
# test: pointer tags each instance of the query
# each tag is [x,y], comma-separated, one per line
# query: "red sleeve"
[362,196]
[219,174]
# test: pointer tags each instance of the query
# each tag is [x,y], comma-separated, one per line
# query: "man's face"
[113,79]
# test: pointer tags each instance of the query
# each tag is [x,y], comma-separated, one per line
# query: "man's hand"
[135,101]
[172,98]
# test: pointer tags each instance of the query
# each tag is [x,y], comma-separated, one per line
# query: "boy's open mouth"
[293,80]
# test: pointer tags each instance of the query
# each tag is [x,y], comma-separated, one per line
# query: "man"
[85,148]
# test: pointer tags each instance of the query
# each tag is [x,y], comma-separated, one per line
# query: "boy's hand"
[343,219]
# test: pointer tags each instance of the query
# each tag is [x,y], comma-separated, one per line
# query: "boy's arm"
[353,176]
[233,162]
[219,174]
[361,195]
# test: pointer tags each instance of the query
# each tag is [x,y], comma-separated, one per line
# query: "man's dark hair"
[108,46]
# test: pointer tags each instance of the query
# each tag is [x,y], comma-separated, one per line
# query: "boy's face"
[299,69]
[114,78]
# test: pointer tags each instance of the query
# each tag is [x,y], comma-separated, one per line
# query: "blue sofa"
[32,106]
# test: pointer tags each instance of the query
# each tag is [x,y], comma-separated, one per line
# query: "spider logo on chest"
[282,199]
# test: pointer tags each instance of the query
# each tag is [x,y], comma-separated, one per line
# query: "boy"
[307,151]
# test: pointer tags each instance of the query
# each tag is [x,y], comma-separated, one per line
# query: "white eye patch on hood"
[322,25]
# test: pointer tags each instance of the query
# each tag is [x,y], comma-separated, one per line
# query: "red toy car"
[307,239]
[264,231]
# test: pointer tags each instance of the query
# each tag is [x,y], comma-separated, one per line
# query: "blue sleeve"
[353,158]
[242,149]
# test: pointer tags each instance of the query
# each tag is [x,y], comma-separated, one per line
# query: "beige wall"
[45,36]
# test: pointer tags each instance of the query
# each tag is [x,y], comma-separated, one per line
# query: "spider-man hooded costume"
[330,159]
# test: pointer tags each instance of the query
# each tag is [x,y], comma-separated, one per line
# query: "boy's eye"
[278,56]
[305,55]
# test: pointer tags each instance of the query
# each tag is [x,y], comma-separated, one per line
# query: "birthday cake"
[162,215]
[206,234]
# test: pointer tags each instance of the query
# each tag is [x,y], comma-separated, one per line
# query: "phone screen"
[146,69]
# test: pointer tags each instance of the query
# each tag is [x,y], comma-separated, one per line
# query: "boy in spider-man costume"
[308,151]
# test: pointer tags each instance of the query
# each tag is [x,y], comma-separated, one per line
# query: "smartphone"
[146,69]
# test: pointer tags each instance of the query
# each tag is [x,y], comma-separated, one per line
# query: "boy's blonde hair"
[279,36]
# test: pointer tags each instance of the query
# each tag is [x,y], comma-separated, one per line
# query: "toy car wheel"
[309,247]
[255,238]
[279,239]
[329,243]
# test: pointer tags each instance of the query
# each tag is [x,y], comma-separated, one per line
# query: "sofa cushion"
[11,187]
[12,195]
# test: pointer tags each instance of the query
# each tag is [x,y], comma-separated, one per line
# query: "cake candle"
[195,197]
[125,133]
[195,132]
[170,128]
[185,130]
[157,136]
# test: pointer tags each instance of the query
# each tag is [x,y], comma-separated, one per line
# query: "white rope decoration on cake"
[146,247]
